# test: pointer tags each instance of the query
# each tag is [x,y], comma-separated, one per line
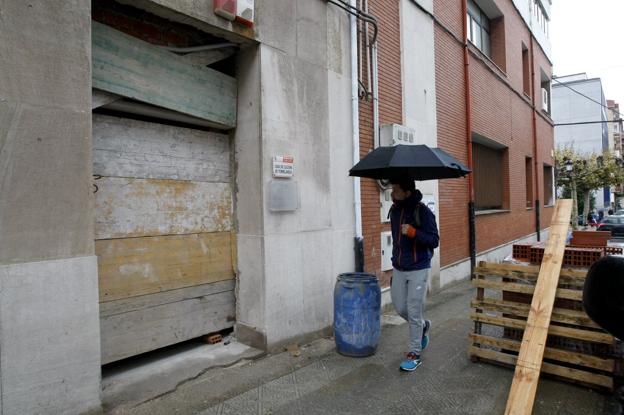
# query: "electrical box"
[225,9]
[386,204]
[394,134]
[245,12]
[386,251]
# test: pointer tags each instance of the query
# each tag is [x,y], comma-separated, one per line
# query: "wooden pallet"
[577,350]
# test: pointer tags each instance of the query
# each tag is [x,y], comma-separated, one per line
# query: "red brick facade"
[501,111]
[390,111]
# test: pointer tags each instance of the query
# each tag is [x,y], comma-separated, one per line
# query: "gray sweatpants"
[409,290]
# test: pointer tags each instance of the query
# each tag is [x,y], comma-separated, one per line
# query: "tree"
[588,173]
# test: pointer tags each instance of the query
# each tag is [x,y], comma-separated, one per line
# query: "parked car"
[615,224]
[619,212]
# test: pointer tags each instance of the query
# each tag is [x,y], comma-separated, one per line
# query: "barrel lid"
[357,277]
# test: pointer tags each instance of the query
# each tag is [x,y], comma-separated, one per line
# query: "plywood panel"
[137,266]
[135,69]
[147,207]
[129,148]
[149,328]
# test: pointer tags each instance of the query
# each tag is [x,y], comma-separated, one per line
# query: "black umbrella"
[417,162]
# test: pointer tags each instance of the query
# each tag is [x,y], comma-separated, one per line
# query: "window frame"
[476,17]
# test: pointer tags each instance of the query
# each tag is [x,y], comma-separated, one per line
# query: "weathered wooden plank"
[146,329]
[135,69]
[148,207]
[525,289]
[124,147]
[559,315]
[564,372]
[578,334]
[100,98]
[528,366]
[578,359]
[137,266]
[527,271]
[142,302]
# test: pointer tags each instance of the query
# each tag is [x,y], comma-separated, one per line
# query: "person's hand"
[408,230]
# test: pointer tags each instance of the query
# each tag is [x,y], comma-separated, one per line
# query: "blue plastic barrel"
[357,312]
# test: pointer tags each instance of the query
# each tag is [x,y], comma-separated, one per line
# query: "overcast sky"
[588,36]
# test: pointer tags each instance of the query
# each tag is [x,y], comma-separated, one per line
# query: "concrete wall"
[419,93]
[569,107]
[294,98]
[49,326]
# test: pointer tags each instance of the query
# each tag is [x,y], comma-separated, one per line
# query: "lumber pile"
[577,350]
[542,322]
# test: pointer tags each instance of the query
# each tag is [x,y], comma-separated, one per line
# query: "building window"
[540,16]
[526,72]
[545,91]
[478,28]
[489,172]
[549,199]
[528,177]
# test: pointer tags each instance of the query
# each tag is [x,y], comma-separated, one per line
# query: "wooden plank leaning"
[529,362]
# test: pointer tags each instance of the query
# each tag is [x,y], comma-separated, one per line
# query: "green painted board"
[136,69]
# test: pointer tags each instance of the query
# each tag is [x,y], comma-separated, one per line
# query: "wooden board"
[126,207]
[578,359]
[529,362]
[525,289]
[144,302]
[572,333]
[559,315]
[137,266]
[576,375]
[152,323]
[124,147]
[127,66]
[529,272]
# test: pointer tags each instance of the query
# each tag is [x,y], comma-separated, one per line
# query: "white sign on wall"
[429,201]
[283,166]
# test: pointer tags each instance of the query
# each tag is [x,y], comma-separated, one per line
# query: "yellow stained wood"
[138,266]
[579,359]
[526,289]
[564,372]
[529,363]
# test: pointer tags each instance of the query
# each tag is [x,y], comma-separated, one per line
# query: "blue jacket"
[410,254]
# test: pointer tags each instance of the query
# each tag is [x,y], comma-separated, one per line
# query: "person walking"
[414,237]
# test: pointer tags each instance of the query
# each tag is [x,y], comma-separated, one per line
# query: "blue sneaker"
[411,363]
[425,336]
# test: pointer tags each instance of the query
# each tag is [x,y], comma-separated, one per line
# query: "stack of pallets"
[577,350]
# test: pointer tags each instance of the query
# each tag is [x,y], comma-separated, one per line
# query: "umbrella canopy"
[416,162]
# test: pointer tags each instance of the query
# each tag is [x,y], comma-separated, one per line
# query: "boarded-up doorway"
[164,234]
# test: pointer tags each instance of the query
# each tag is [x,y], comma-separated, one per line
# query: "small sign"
[283,166]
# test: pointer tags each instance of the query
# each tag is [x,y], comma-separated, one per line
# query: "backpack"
[416,214]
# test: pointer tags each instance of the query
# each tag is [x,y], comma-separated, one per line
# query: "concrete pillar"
[49,323]
[294,98]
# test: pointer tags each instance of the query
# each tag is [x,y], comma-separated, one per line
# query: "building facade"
[494,117]
[580,102]
[166,173]
[615,144]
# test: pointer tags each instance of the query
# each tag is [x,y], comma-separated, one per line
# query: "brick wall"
[390,111]
[501,112]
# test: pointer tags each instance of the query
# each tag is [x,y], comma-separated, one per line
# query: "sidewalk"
[320,381]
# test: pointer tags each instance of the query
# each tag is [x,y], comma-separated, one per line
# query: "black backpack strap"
[417,215]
